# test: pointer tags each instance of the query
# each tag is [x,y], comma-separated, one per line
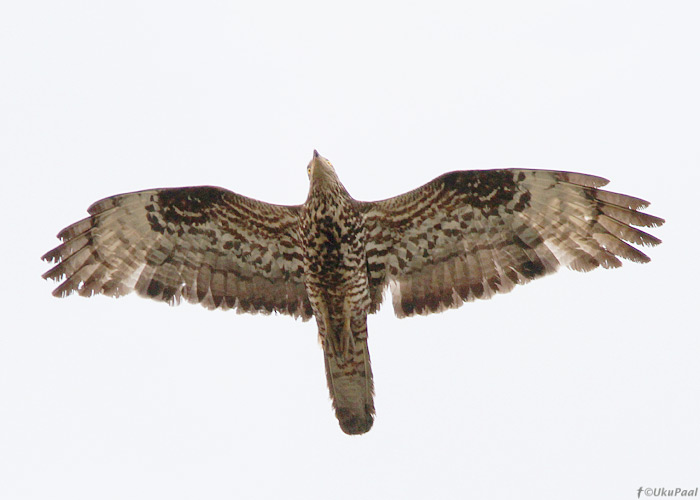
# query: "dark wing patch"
[468,235]
[204,244]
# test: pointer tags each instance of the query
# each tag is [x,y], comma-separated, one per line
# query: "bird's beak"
[316,155]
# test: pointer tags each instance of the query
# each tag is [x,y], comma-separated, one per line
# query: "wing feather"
[204,244]
[471,234]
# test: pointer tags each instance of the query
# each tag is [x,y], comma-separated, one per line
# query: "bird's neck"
[327,191]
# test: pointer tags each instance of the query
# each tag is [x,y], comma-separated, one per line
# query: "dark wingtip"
[52,255]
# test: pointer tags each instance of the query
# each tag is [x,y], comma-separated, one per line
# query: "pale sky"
[578,386]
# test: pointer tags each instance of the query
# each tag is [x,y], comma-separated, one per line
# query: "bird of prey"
[465,235]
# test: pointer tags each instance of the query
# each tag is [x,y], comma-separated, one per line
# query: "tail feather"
[351,386]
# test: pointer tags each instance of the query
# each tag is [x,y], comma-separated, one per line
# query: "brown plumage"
[463,236]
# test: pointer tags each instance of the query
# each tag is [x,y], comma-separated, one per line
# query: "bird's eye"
[308,170]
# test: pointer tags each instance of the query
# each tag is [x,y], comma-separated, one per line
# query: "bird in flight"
[463,236]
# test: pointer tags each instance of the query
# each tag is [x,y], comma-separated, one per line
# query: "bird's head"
[321,171]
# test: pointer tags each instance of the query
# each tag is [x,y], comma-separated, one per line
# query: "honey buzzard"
[465,235]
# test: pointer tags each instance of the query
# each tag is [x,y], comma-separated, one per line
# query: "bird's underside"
[465,235]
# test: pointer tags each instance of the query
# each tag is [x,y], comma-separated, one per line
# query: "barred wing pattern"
[205,244]
[469,235]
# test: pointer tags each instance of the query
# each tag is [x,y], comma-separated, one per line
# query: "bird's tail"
[351,387]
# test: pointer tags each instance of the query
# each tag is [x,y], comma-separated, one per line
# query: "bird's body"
[337,283]
[463,236]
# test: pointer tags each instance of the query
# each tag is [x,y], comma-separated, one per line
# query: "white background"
[576,386]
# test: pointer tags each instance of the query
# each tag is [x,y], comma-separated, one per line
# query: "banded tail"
[351,387]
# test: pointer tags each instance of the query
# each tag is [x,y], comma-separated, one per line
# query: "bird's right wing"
[471,234]
[205,244]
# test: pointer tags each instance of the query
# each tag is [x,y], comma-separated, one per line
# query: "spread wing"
[471,234]
[205,244]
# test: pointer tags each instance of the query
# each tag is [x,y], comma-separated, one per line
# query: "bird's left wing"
[205,244]
[471,234]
